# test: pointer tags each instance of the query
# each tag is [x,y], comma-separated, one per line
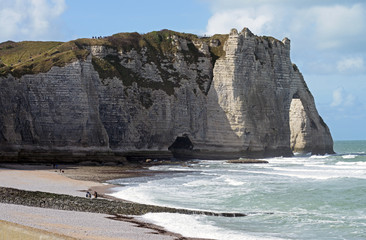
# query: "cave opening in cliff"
[182,147]
[182,143]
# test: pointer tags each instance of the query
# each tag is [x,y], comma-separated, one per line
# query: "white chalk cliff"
[249,100]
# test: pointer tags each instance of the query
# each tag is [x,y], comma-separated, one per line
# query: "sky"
[328,37]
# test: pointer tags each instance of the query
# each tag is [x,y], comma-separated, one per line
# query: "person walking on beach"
[88,194]
[95,194]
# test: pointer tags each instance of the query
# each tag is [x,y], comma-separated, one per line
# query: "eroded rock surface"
[237,95]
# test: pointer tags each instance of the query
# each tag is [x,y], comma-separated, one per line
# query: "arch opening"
[298,125]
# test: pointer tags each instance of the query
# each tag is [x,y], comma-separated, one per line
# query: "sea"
[300,197]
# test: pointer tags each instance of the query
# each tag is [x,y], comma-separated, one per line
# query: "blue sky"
[328,37]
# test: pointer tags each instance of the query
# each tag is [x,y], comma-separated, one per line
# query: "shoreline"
[43,182]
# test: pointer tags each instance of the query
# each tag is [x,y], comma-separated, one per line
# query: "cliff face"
[227,96]
[262,94]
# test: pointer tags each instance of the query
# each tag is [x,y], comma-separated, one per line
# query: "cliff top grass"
[20,58]
[32,57]
[13,52]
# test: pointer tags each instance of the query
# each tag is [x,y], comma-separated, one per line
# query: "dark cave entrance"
[182,147]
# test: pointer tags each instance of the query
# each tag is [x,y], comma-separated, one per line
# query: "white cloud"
[333,21]
[329,26]
[337,97]
[29,19]
[324,25]
[342,99]
[349,101]
[350,64]
[222,22]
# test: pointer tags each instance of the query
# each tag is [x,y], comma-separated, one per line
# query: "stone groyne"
[106,206]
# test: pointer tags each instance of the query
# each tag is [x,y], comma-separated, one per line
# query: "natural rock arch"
[307,130]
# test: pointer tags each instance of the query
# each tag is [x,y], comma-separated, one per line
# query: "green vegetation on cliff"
[20,58]
[158,41]
[159,47]
[217,51]
[109,67]
[36,57]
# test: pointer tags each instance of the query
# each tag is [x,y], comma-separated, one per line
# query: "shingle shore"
[106,206]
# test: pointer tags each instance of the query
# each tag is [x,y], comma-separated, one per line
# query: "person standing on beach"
[95,194]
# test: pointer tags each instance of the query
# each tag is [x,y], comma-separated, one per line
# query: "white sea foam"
[234,182]
[135,194]
[292,161]
[319,156]
[355,165]
[199,183]
[216,186]
[222,180]
[303,175]
[344,166]
[209,173]
[196,226]
[319,174]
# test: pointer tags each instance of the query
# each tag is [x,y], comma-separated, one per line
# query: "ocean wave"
[292,160]
[209,173]
[134,194]
[199,183]
[234,182]
[356,165]
[296,154]
[221,180]
[319,156]
[196,226]
[318,174]
[349,156]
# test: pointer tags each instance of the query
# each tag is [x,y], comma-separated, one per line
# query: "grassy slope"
[23,58]
[12,52]
[20,58]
